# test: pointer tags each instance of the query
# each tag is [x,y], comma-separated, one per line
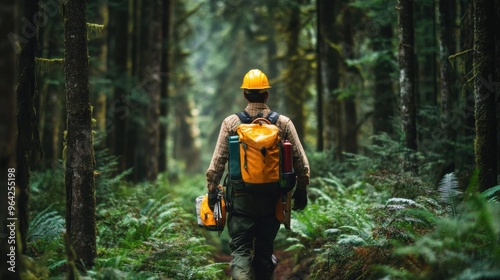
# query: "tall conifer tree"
[80,164]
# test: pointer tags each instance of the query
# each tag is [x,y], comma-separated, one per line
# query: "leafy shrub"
[47,189]
[45,244]
[463,246]
[148,235]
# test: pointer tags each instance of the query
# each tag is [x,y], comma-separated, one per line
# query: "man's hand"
[212,199]
[213,195]
[299,199]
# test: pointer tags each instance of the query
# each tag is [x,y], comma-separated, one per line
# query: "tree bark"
[407,82]
[27,134]
[329,75]
[153,90]
[9,17]
[350,107]
[165,78]
[320,88]
[120,108]
[444,40]
[497,71]
[80,164]
[484,93]
[424,18]
[296,72]
[384,99]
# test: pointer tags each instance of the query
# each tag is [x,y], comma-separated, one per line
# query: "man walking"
[252,224]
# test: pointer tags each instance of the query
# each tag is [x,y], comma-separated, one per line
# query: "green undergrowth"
[149,235]
[366,219]
[360,231]
[144,230]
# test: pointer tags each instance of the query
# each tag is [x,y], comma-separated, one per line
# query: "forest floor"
[284,270]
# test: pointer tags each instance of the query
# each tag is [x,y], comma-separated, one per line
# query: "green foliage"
[359,232]
[449,191]
[492,194]
[147,233]
[44,238]
[47,189]
[46,225]
[460,247]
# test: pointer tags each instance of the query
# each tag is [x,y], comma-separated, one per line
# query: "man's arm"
[219,158]
[300,161]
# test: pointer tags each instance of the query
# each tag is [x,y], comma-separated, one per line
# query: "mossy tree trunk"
[27,134]
[484,93]
[407,82]
[328,74]
[79,174]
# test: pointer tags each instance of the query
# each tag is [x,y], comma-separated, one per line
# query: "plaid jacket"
[287,131]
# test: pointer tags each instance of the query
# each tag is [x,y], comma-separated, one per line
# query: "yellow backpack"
[255,159]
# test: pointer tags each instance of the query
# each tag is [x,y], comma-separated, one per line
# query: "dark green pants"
[253,226]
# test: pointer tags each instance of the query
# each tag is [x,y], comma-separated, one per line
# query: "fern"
[449,192]
[492,194]
[462,246]
[46,225]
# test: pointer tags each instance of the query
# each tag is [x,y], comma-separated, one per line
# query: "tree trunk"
[425,63]
[296,72]
[165,78]
[354,77]
[9,17]
[52,107]
[100,68]
[133,131]
[187,138]
[445,31]
[320,83]
[27,134]
[329,74]
[407,82]
[120,108]
[80,164]
[153,89]
[465,158]
[384,99]
[145,74]
[497,71]
[484,93]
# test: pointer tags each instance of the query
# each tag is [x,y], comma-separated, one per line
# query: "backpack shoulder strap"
[273,117]
[244,117]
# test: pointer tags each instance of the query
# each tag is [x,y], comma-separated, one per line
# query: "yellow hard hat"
[255,79]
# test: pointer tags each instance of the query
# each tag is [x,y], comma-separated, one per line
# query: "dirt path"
[284,270]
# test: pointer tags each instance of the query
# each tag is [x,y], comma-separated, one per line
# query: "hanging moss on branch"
[47,64]
[94,30]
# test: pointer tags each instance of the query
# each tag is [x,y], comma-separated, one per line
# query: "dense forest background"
[110,110]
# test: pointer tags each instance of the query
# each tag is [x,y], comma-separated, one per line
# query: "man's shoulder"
[231,118]
[283,118]
[231,121]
